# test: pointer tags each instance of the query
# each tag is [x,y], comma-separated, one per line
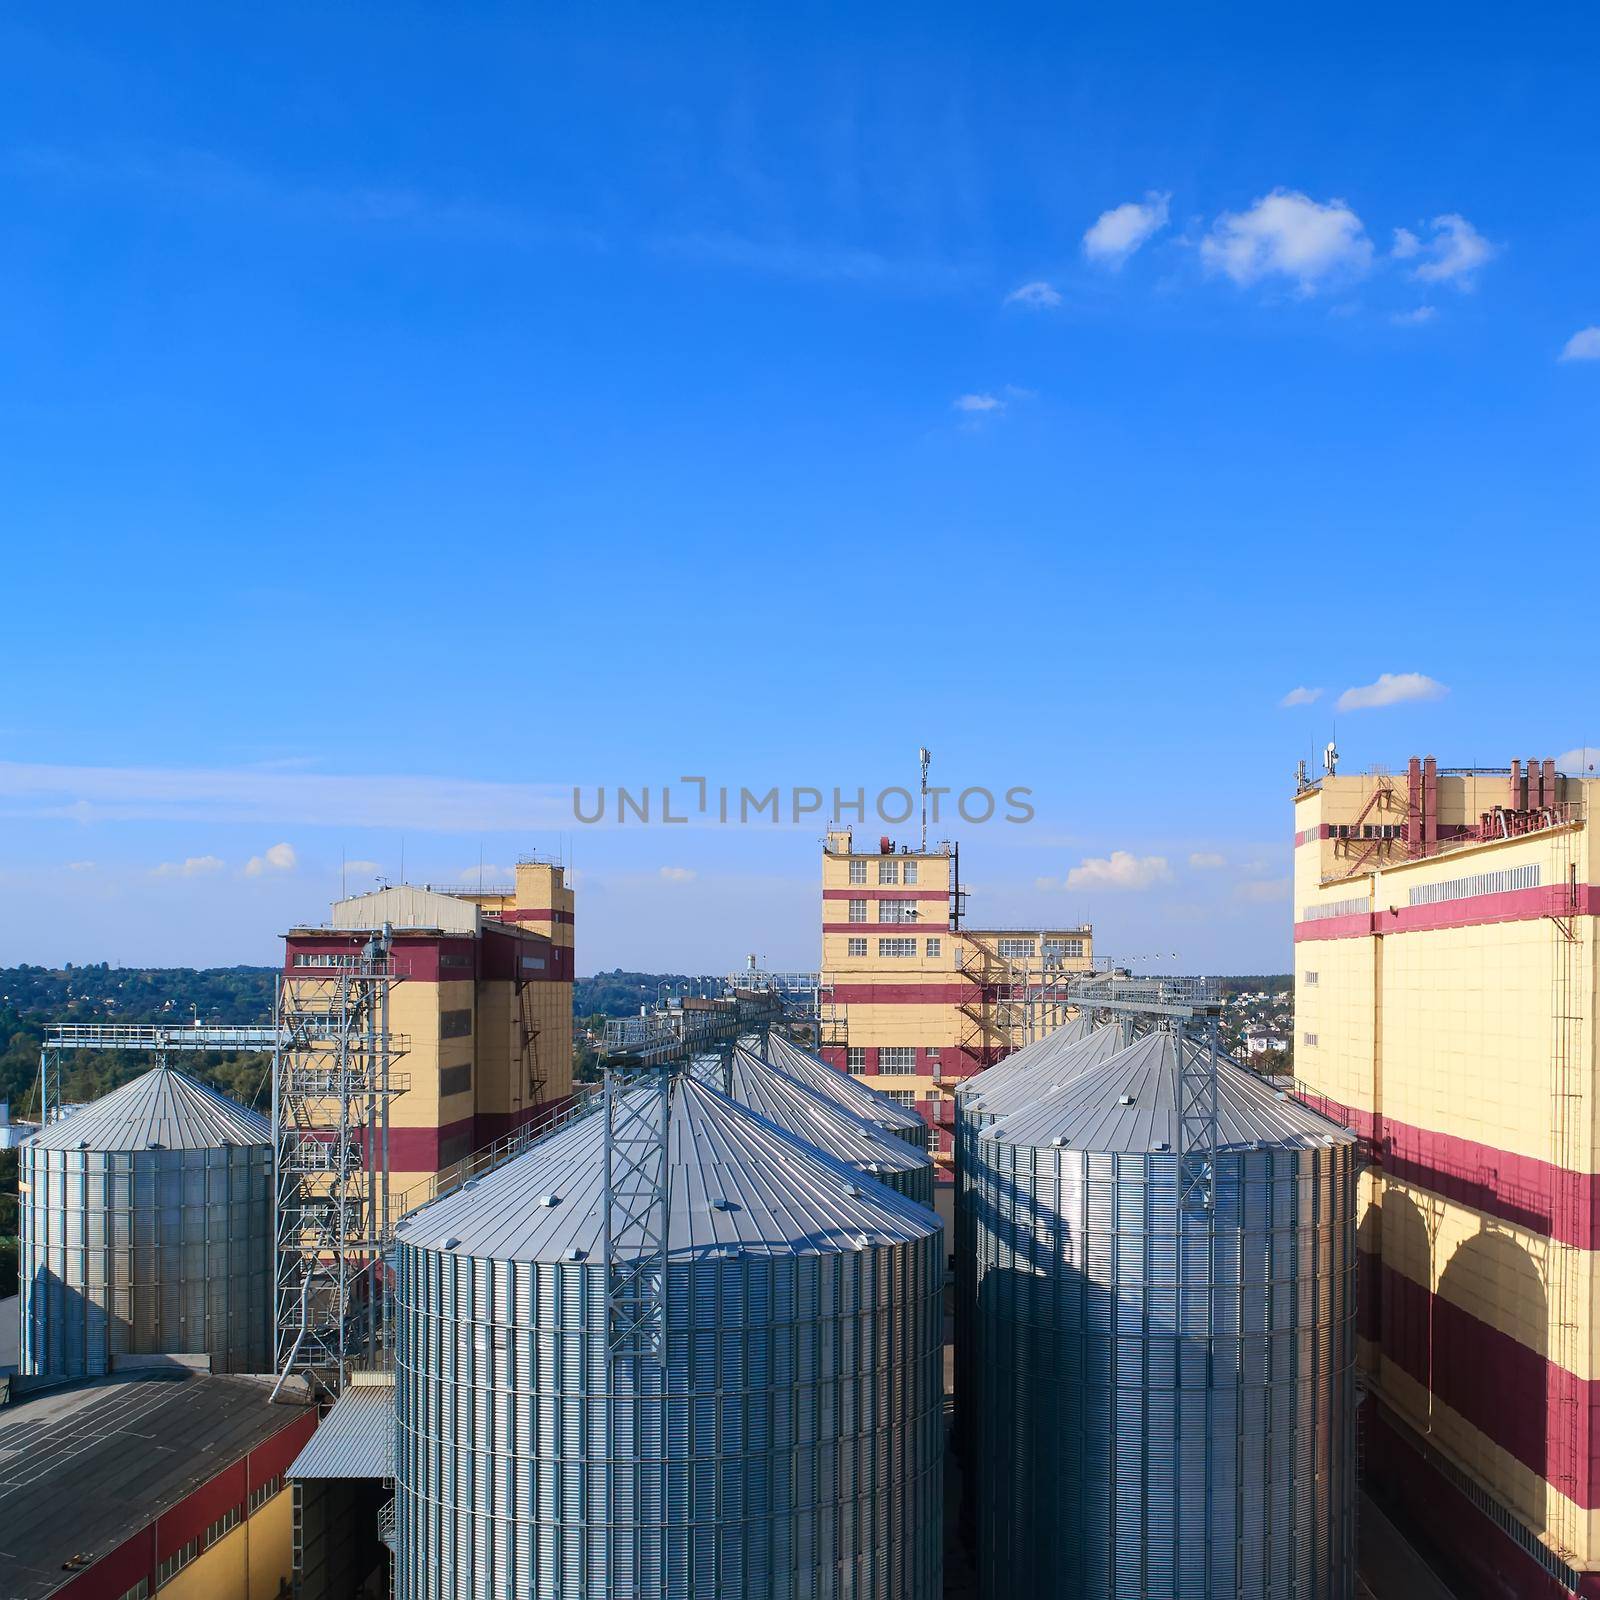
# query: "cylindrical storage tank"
[832,1128]
[851,1093]
[788,1445]
[981,1100]
[1166,1392]
[147,1230]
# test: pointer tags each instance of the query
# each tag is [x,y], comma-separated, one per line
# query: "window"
[455,1024]
[140,1591]
[1310,1038]
[454,1149]
[1014,949]
[897,947]
[1430,894]
[903,1097]
[908,872]
[262,1493]
[888,870]
[455,958]
[1060,949]
[176,1562]
[224,1524]
[931,1138]
[855,947]
[1311,977]
[897,911]
[1335,908]
[855,1059]
[858,872]
[455,1080]
[932,947]
[897,1058]
[328,958]
[858,910]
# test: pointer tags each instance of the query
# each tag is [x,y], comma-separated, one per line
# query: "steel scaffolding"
[332,1081]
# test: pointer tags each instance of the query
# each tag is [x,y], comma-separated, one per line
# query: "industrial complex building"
[915,998]
[1445,984]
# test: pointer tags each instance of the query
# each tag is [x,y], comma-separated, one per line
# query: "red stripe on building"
[1510,1392]
[905,994]
[539,914]
[1514,905]
[1521,1190]
[883,891]
[906,929]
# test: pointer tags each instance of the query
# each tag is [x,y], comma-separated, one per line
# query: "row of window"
[891,1058]
[888,911]
[327,958]
[891,869]
[455,1024]
[893,947]
[230,1519]
[1502,882]
[1366,830]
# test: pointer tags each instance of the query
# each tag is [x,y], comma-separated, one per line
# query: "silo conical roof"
[850,1092]
[809,1115]
[163,1108]
[737,1181]
[1064,1044]
[1129,1104]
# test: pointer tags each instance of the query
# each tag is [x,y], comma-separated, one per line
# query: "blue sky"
[404,421]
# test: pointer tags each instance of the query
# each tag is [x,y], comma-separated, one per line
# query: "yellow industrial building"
[913,998]
[1445,989]
[484,1004]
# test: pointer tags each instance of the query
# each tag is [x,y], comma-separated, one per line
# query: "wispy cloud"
[813,261]
[1414,318]
[1581,762]
[1037,296]
[1286,234]
[80,866]
[1391,689]
[978,404]
[189,867]
[1584,345]
[276,858]
[1301,696]
[1207,860]
[251,795]
[678,874]
[1452,252]
[1120,870]
[1116,234]
[1263,891]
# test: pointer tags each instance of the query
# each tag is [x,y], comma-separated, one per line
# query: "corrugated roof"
[1052,1045]
[852,1093]
[835,1129]
[165,1108]
[736,1181]
[1128,1104]
[997,1092]
[356,1439]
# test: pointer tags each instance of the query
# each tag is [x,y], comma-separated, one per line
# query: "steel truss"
[332,1081]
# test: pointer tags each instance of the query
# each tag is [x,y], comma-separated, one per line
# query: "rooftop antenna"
[924,755]
[1330,758]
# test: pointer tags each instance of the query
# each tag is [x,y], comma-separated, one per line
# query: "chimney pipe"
[1547,781]
[1515,801]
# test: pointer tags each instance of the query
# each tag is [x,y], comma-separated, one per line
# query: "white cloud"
[678,874]
[1452,254]
[1391,689]
[1289,235]
[1120,870]
[977,404]
[190,867]
[279,858]
[1117,233]
[1584,345]
[486,873]
[1263,891]
[1046,884]
[1415,318]
[80,866]
[365,868]
[1301,696]
[1582,762]
[1037,296]
[1207,860]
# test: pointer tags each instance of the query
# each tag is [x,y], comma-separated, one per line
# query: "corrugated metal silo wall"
[915,1183]
[145,1252]
[798,1453]
[1164,1411]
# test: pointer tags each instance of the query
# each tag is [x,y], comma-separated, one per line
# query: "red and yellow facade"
[484,1003]
[1445,990]
[914,999]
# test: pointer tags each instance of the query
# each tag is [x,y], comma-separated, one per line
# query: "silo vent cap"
[862,1242]
[450,1243]
[1163,1145]
[1059,1141]
[1127,1100]
[854,1191]
[549,1200]
[722,1203]
[575,1254]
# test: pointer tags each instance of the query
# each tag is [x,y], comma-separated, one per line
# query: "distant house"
[1258,1044]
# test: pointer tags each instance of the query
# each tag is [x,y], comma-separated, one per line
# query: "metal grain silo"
[831,1127]
[980,1101]
[147,1229]
[785,1443]
[1166,1390]
[850,1092]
